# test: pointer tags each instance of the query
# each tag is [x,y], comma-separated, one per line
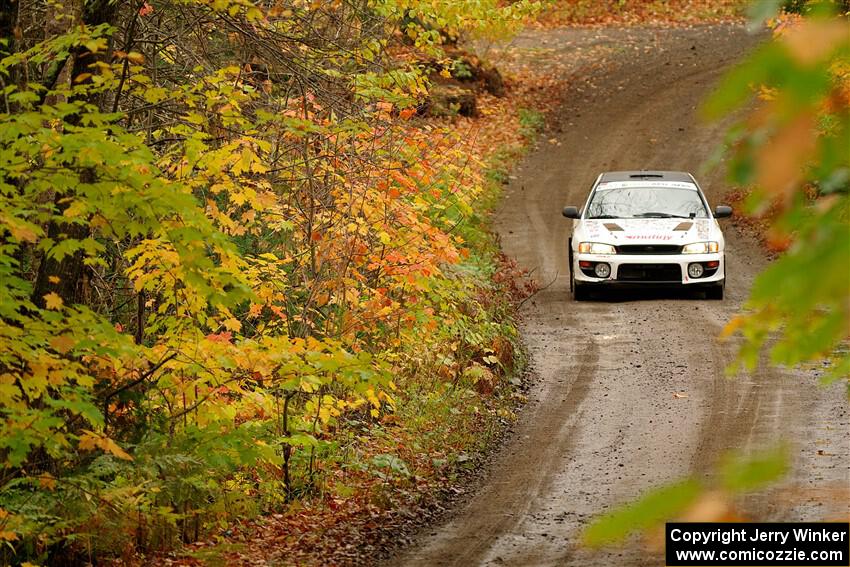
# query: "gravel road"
[603,424]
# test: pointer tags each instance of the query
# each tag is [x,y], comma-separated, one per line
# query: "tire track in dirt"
[603,424]
[511,488]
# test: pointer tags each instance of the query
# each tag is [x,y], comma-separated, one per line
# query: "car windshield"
[645,202]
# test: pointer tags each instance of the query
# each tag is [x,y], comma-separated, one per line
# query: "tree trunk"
[66,276]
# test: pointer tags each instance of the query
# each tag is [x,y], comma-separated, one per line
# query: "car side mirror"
[722,212]
[572,213]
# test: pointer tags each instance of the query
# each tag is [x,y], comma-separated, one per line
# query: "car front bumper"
[649,269]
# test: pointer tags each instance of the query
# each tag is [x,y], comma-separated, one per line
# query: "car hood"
[647,231]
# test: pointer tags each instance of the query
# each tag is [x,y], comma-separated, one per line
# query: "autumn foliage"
[225,238]
[792,155]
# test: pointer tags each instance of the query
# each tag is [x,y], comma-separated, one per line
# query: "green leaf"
[741,475]
[654,507]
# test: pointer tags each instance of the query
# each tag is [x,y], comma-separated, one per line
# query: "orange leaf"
[780,161]
[220,337]
[733,325]
[811,41]
[47,481]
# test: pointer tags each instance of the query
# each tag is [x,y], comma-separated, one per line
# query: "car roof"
[647,175]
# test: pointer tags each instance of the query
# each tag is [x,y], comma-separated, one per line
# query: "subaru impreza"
[649,228]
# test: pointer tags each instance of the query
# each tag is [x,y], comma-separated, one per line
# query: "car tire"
[715,292]
[580,292]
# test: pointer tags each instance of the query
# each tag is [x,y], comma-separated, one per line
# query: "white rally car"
[646,227]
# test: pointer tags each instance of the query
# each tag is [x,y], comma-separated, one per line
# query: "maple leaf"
[63,343]
[22,231]
[47,481]
[220,337]
[90,441]
[52,300]
[112,447]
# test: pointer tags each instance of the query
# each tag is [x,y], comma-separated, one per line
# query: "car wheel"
[715,292]
[580,292]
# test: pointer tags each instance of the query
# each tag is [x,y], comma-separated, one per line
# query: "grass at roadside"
[500,160]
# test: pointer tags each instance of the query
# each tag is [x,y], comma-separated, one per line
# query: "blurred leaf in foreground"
[655,506]
[690,500]
[759,470]
[793,151]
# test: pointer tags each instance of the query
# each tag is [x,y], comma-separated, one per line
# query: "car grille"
[649,273]
[649,249]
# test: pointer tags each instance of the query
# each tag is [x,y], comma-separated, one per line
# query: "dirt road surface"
[603,424]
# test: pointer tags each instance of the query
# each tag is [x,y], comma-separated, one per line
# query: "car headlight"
[595,248]
[701,248]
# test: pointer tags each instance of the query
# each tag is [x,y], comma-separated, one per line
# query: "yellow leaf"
[88,441]
[75,209]
[324,414]
[21,231]
[111,446]
[6,535]
[232,324]
[52,300]
[53,279]
[63,343]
